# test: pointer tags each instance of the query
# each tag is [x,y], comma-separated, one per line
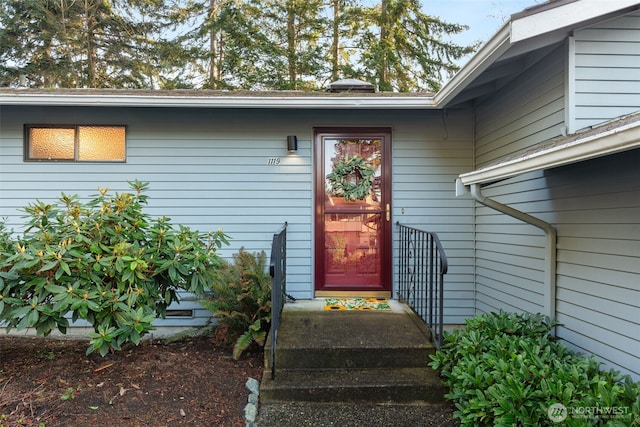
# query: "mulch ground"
[48,382]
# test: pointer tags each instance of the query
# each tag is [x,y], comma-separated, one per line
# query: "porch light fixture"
[292,143]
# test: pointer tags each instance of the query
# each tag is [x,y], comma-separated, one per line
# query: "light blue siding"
[209,168]
[509,253]
[598,288]
[607,71]
[528,110]
[595,205]
[425,165]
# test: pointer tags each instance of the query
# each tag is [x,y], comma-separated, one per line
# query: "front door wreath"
[351,178]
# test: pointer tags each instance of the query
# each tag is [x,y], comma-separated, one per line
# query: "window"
[75,143]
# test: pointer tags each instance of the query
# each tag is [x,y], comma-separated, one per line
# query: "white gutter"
[129,99]
[600,143]
[549,295]
[622,138]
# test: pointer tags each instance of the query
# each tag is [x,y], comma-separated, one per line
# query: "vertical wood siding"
[208,168]
[607,71]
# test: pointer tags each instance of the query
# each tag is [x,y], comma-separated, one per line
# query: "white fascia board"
[525,27]
[616,140]
[570,14]
[483,59]
[267,101]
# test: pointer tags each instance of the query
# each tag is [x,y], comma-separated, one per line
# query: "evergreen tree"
[298,44]
[403,49]
[293,52]
[31,32]
[199,41]
[78,43]
[346,22]
[224,44]
[254,44]
[219,43]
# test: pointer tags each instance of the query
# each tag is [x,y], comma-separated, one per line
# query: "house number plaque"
[273,161]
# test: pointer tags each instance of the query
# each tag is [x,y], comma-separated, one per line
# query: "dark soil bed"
[192,381]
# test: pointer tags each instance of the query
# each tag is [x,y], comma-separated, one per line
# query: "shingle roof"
[620,134]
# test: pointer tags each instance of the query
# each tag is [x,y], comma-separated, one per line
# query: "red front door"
[352,221]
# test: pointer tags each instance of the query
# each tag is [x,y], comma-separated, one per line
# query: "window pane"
[352,253]
[101,143]
[51,143]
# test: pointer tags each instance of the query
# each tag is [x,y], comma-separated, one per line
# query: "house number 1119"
[273,161]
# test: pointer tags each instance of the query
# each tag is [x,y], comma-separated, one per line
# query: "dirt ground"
[191,381]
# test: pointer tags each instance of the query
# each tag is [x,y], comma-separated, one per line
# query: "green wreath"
[351,189]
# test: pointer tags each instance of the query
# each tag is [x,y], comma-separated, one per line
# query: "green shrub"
[505,369]
[5,238]
[104,261]
[241,300]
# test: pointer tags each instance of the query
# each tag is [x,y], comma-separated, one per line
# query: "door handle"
[388,212]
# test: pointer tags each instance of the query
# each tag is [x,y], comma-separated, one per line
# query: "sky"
[484,17]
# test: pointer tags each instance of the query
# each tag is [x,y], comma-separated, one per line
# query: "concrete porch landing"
[351,356]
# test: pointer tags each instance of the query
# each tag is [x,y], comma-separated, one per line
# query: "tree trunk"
[335,45]
[383,84]
[291,44]
[213,46]
[91,45]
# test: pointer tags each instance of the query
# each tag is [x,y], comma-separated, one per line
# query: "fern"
[241,300]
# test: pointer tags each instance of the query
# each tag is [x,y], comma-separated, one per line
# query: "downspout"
[549,298]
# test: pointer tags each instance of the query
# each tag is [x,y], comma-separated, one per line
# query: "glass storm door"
[352,222]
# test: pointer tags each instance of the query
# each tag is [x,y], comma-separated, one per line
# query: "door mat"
[342,304]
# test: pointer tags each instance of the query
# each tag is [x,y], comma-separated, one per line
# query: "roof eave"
[218,101]
[616,140]
[487,55]
[542,20]
[521,30]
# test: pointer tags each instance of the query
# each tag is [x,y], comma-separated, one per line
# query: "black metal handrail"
[278,272]
[422,265]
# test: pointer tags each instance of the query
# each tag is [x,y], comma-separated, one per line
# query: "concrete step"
[352,358]
[391,385]
[339,340]
[373,357]
[351,414]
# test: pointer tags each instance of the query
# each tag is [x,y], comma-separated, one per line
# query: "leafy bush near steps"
[241,300]
[104,261]
[505,369]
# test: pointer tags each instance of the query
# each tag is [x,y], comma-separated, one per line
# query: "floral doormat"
[341,304]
